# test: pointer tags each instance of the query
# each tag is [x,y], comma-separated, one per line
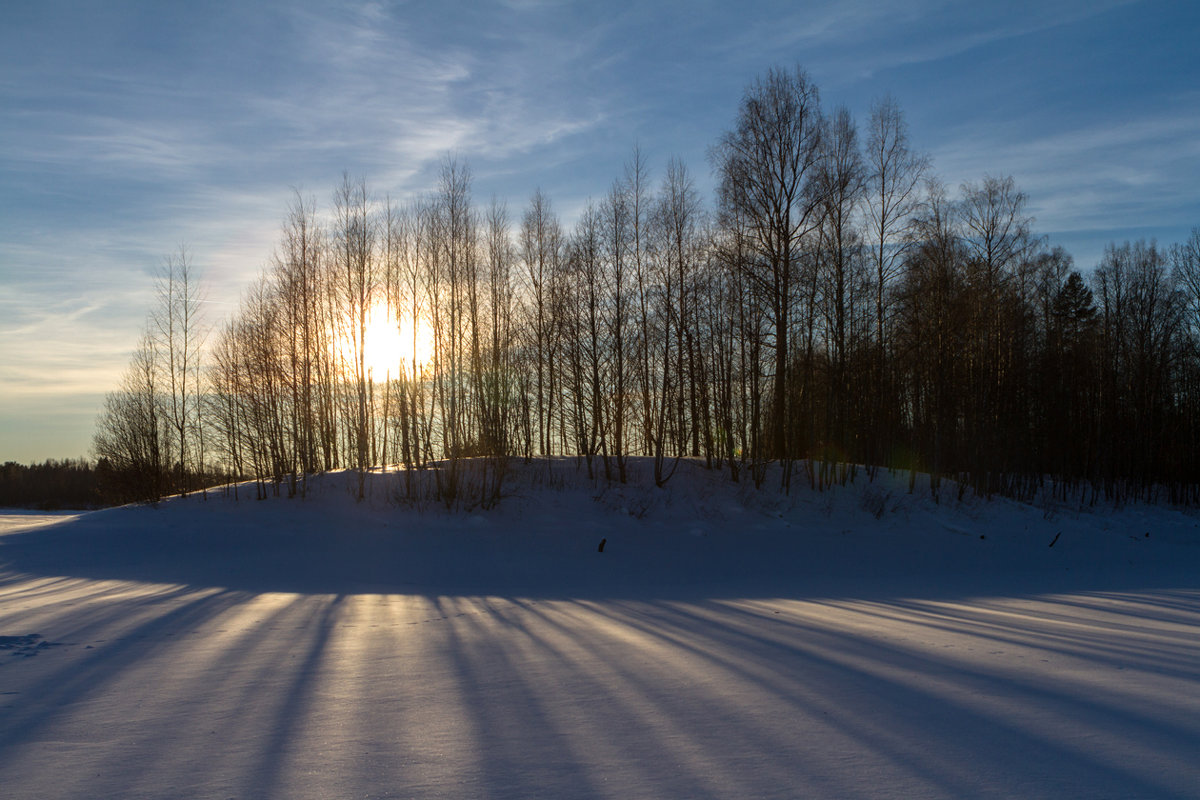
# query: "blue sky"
[129,128]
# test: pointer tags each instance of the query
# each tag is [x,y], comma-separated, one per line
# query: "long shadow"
[64,687]
[292,713]
[911,710]
[257,695]
[740,637]
[673,698]
[509,715]
[929,719]
[903,686]
[344,556]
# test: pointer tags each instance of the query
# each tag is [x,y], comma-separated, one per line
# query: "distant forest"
[52,485]
[74,483]
[833,305]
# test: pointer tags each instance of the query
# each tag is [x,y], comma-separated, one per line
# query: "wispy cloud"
[1098,176]
[63,346]
[853,40]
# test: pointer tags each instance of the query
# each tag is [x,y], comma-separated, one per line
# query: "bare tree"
[130,429]
[455,317]
[355,240]
[498,381]
[997,232]
[299,280]
[541,254]
[894,176]
[764,163]
[635,188]
[617,246]
[838,184]
[933,326]
[177,326]
[676,220]
[1142,313]
[584,339]
[998,239]
[225,401]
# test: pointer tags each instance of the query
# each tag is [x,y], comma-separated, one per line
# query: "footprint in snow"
[26,646]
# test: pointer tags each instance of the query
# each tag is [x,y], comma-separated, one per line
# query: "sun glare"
[392,347]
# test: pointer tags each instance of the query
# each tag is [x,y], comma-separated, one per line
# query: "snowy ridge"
[701,535]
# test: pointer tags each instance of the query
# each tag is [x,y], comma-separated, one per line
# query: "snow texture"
[861,642]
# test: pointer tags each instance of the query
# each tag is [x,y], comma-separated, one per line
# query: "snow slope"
[726,643]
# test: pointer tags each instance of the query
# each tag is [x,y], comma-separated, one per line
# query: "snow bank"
[700,535]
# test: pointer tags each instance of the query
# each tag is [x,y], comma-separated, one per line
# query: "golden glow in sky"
[392,346]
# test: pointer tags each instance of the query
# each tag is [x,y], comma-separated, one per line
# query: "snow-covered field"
[726,643]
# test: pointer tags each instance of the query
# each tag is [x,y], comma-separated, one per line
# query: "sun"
[393,346]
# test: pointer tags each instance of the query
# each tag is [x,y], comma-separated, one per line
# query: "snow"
[726,643]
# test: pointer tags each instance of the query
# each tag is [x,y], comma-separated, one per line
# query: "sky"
[128,129]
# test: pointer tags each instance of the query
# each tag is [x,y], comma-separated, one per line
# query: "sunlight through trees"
[835,305]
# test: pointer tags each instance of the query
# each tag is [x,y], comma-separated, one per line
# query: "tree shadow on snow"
[644,681]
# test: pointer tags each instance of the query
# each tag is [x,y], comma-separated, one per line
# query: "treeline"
[834,305]
[66,484]
[71,483]
[79,484]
